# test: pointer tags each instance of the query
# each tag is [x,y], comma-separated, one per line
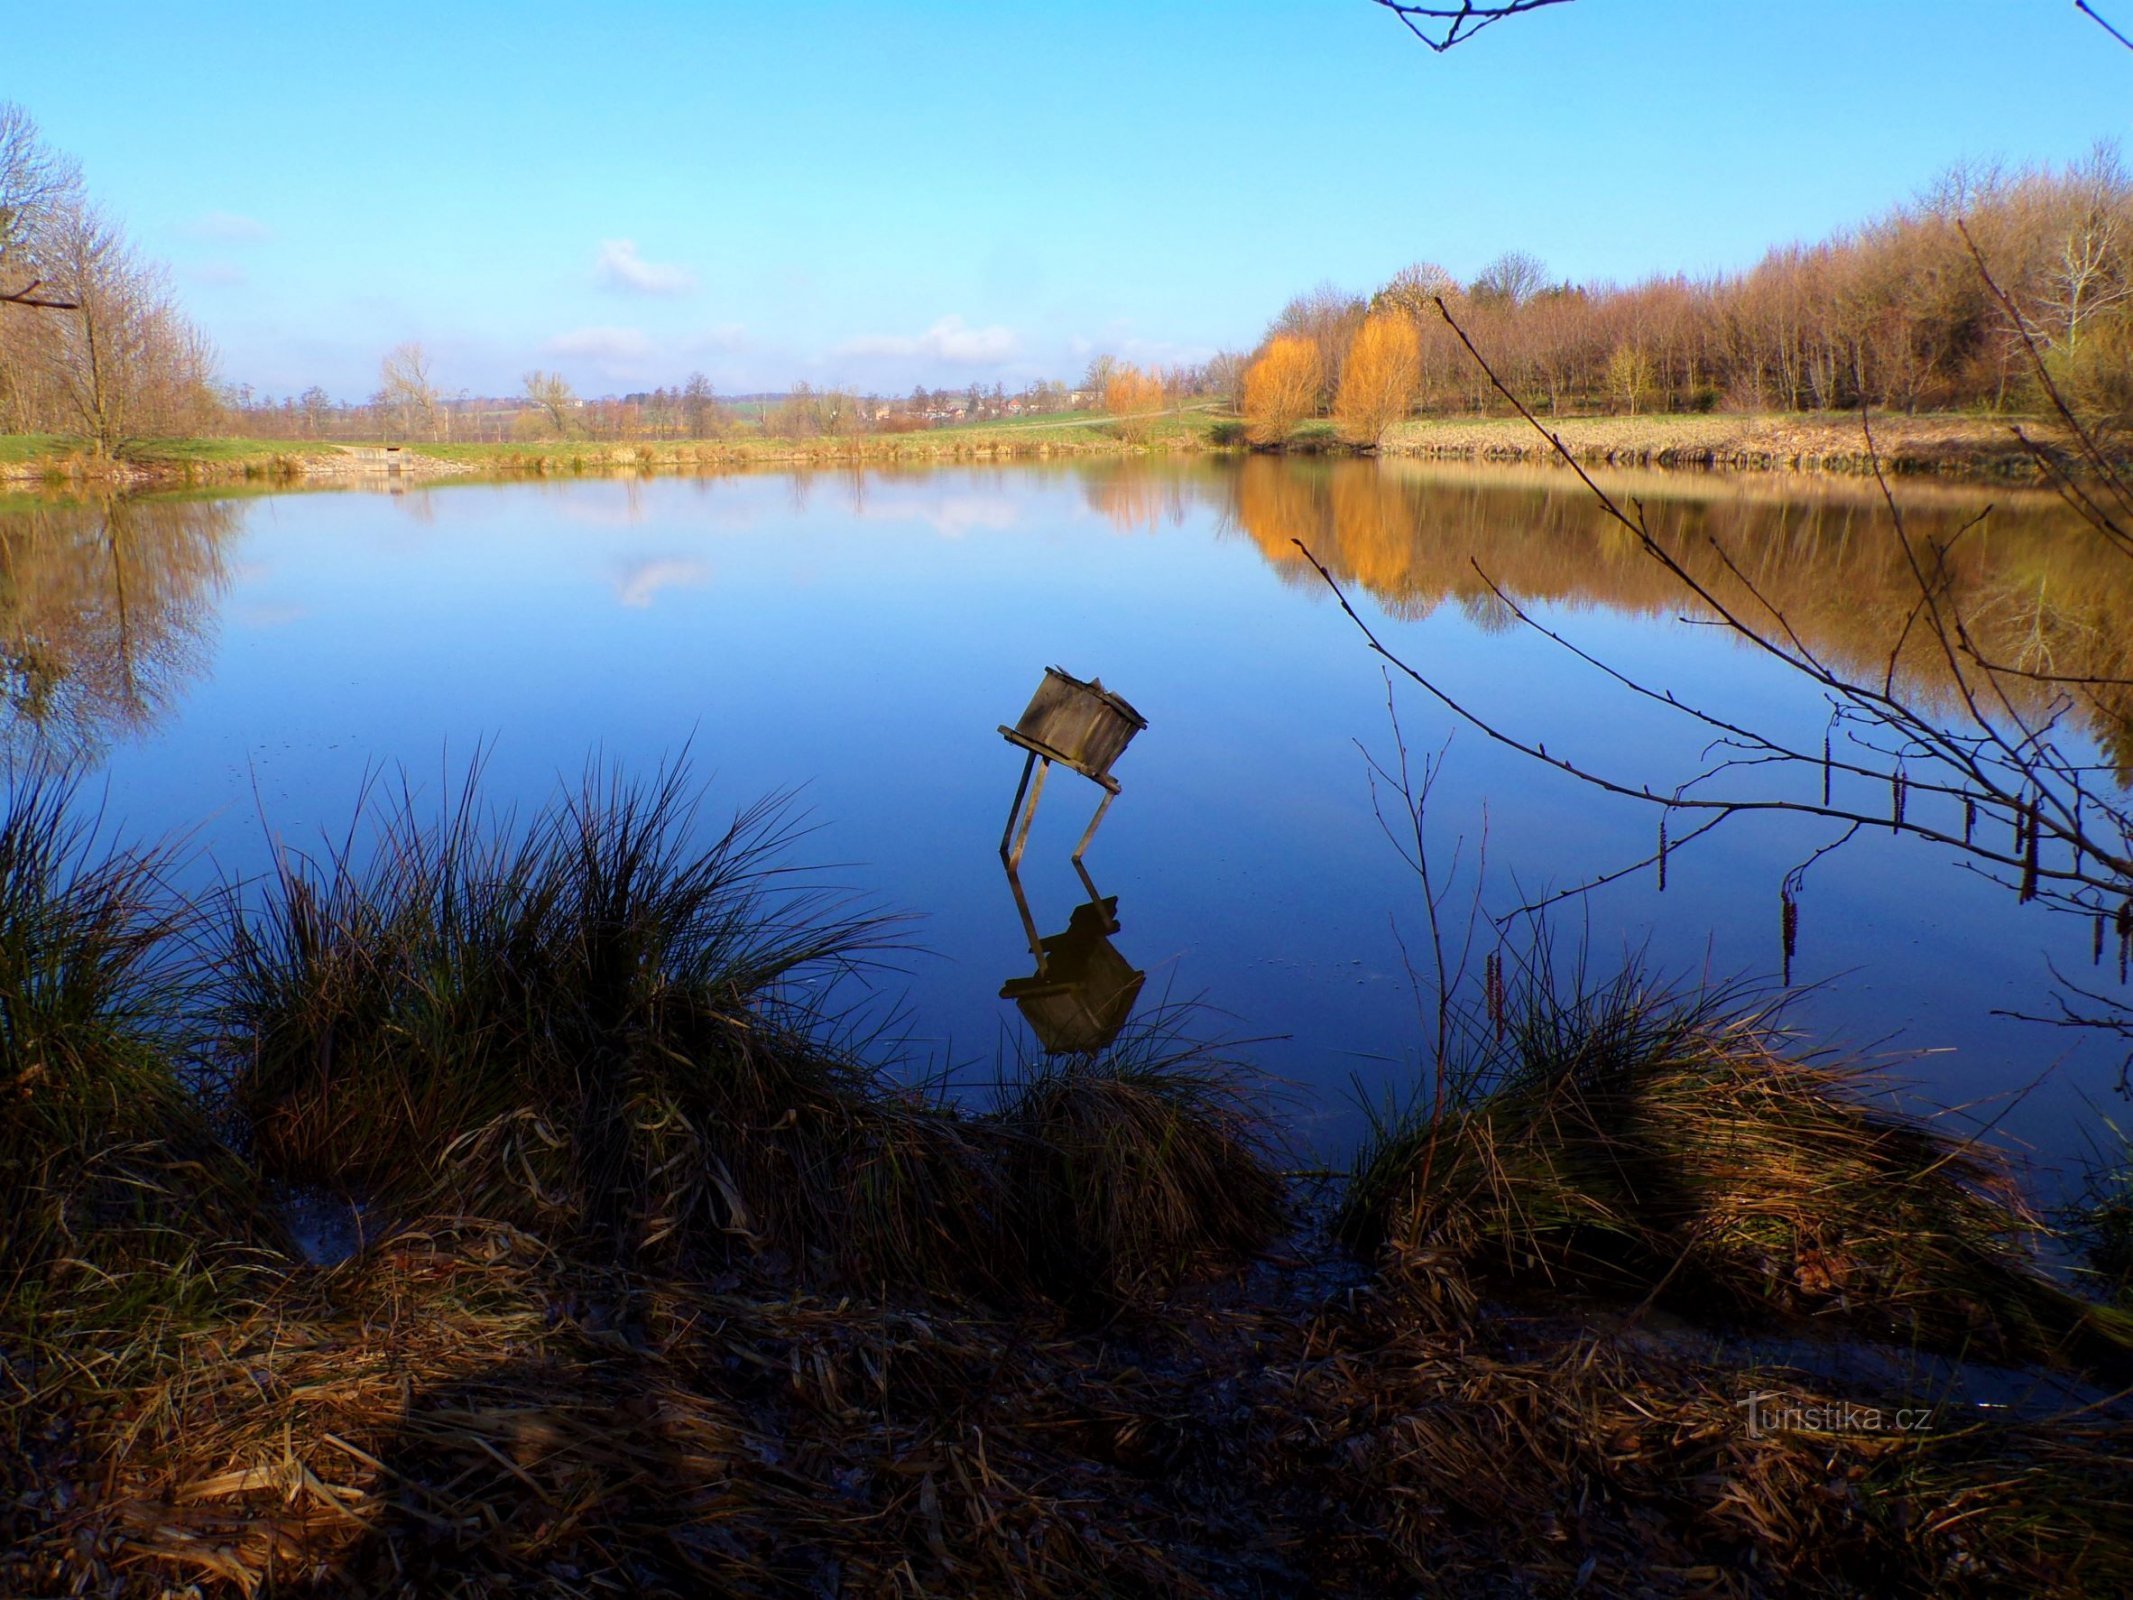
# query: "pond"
[234,669]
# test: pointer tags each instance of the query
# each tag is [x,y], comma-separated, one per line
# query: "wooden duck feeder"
[1080,725]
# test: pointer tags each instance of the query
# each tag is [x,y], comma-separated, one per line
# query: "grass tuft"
[1139,1168]
[2100,1220]
[1634,1142]
[107,1157]
[591,1025]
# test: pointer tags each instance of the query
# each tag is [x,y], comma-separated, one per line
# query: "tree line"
[412,402]
[1891,314]
[92,341]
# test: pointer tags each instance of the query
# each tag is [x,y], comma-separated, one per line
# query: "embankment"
[1954,446]
[1959,447]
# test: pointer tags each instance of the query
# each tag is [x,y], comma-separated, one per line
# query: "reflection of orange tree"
[2030,594]
[1134,499]
[102,610]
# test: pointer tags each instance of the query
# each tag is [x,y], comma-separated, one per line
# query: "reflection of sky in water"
[859,637]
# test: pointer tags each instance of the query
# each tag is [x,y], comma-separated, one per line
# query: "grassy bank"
[48,460]
[662,1293]
[1959,446]
[1954,446]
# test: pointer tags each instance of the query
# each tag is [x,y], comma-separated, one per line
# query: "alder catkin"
[2029,856]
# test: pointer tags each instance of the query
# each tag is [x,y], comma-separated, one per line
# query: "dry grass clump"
[125,1224]
[1131,1171]
[1632,1142]
[604,1035]
[107,1159]
[587,1025]
[461,1411]
[1531,1457]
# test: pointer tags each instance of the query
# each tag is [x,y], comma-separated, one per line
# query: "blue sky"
[880,194]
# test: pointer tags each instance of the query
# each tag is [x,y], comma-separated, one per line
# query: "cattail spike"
[1896,798]
[1789,929]
[2096,944]
[1662,852]
[1969,818]
[1825,772]
[2029,857]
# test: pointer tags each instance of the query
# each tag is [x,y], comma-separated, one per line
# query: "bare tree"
[699,408]
[408,391]
[36,186]
[551,395]
[128,364]
[2092,268]
[1510,280]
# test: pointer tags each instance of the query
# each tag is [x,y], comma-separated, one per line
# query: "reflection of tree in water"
[105,613]
[1824,556]
[1135,498]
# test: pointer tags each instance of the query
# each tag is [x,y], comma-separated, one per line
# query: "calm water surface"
[234,668]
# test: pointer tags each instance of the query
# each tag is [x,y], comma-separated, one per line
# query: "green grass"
[229,459]
[215,451]
[22,448]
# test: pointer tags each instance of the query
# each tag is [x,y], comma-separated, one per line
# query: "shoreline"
[1960,448]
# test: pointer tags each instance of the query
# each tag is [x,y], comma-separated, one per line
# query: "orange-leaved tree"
[1379,378]
[1133,397]
[1280,388]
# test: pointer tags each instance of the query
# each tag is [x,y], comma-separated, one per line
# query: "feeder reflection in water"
[1083,990]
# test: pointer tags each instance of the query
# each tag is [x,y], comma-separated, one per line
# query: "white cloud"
[950,339]
[727,336]
[608,344]
[619,266]
[227,227]
[639,583]
[949,515]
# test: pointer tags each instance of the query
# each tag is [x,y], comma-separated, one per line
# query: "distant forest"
[1896,313]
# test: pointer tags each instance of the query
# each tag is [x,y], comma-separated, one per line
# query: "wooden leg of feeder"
[1087,882]
[1036,792]
[1090,832]
[1014,812]
[1029,923]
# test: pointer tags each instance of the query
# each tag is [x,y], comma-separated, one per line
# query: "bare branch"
[2089,11]
[1442,26]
